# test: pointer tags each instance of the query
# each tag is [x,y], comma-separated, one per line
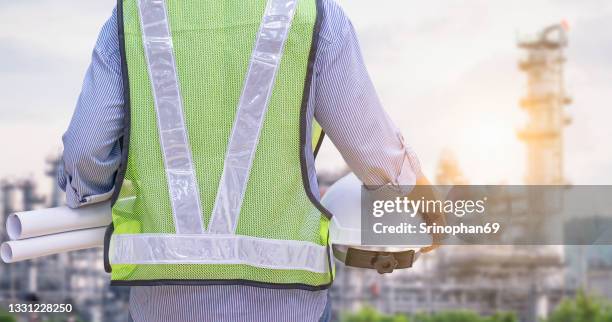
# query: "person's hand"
[437,239]
[428,249]
[424,189]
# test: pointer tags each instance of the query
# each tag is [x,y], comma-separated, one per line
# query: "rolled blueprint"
[35,223]
[19,250]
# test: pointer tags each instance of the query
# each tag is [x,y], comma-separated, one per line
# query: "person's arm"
[424,189]
[350,113]
[91,154]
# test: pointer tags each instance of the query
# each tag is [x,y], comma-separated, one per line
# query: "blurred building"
[77,278]
[544,104]
[589,267]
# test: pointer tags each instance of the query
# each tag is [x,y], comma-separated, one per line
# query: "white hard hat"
[343,200]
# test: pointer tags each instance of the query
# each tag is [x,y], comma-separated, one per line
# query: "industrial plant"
[527,280]
[75,278]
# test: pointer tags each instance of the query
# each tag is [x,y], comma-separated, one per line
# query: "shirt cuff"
[410,171]
[405,181]
[73,198]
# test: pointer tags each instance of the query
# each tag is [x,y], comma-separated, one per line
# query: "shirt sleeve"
[92,154]
[350,113]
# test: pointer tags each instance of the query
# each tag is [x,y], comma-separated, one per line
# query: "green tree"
[456,316]
[6,316]
[464,316]
[583,308]
[502,317]
[369,314]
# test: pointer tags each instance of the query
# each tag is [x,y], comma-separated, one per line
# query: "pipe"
[20,250]
[35,223]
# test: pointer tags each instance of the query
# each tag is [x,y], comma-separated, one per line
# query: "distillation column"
[544,104]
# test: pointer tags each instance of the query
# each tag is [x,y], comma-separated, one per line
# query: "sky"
[444,70]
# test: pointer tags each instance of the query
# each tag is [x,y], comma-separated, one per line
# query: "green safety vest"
[214,187]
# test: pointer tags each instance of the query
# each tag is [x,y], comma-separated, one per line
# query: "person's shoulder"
[334,22]
[108,40]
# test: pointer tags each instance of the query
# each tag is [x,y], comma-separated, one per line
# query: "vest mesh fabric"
[213,41]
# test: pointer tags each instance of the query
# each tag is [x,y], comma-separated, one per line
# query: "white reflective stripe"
[251,112]
[182,184]
[218,249]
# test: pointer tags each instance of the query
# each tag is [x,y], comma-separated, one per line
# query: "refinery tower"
[544,104]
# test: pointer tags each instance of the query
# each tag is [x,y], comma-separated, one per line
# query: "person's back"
[213,191]
[209,148]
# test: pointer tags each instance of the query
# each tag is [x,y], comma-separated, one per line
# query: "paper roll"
[35,223]
[19,250]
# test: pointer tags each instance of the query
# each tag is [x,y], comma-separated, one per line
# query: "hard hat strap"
[383,262]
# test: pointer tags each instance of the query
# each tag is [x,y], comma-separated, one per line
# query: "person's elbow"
[87,169]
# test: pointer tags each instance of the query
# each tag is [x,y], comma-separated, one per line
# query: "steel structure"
[77,277]
[544,104]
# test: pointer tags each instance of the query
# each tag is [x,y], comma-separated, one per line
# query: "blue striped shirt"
[344,102]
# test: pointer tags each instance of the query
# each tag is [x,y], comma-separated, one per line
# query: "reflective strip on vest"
[219,249]
[252,108]
[180,174]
